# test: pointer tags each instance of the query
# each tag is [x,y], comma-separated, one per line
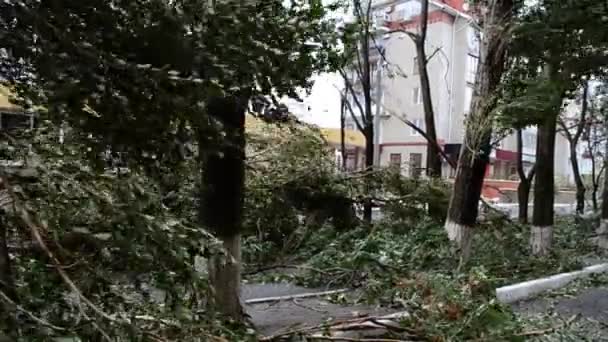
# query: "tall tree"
[579,124]
[525,181]
[433,158]
[496,22]
[600,107]
[356,67]
[419,38]
[127,73]
[603,228]
[595,135]
[343,153]
[223,181]
[567,40]
[514,114]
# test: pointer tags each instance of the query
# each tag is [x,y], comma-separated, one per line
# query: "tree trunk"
[464,202]
[369,165]
[594,173]
[7,284]
[368,115]
[433,158]
[573,143]
[342,134]
[223,175]
[578,180]
[523,199]
[475,152]
[544,187]
[525,181]
[603,228]
[594,198]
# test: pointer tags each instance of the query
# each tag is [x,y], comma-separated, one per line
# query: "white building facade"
[452,47]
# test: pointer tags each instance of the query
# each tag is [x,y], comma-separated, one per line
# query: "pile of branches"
[98,254]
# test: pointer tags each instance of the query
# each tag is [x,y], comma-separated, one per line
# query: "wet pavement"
[273,317]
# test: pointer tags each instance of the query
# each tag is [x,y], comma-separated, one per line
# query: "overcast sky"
[324,101]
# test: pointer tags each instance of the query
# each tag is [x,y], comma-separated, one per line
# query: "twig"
[156,320]
[303,295]
[309,328]
[29,314]
[326,325]
[35,231]
[64,276]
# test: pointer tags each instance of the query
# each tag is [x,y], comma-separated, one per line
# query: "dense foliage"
[129,253]
[106,245]
[412,266]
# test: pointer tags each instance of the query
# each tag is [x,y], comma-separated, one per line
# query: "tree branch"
[348,106]
[29,314]
[429,140]
[432,55]
[351,90]
[582,122]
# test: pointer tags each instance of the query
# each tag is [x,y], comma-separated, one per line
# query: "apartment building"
[453,49]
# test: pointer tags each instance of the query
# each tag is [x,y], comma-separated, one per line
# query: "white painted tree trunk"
[602,234]
[540,239]
[462,235]
[225,278]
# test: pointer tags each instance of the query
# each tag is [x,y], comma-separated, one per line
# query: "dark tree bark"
[595,174]
[578,180]
[433,158]
[591,130]
[342,133]
[525,181]
[223,176]
[475,152]
[602,230]
[7,283]
[369,165]
[368,116]
[364,121]
[544,187]
[573,140]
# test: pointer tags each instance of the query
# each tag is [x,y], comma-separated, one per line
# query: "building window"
[351,162]
[415,164]
[472,64]
[468,98]
[512,172]
[415,66]
[418,123]
[380,17]
[417,95]
[395,160]
[373,73]
[529,140]
[407,10]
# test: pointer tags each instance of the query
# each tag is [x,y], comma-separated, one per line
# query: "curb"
[528,289]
